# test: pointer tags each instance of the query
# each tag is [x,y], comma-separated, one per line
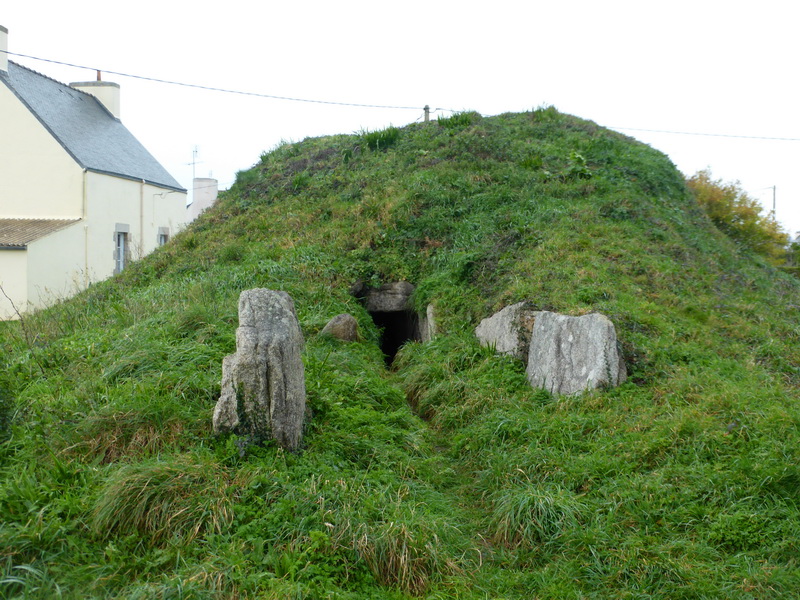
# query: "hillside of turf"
[444,476]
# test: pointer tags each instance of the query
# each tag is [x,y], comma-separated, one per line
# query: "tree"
[740,216]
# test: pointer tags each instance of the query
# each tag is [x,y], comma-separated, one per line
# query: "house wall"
[143,208]
[13,278]
[60,264]
[40,179]
[56,266]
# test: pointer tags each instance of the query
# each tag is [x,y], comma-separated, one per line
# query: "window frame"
[122,247]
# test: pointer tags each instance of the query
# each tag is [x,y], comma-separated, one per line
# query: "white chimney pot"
[105,91]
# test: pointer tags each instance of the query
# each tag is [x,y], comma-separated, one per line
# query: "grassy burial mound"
[438,473]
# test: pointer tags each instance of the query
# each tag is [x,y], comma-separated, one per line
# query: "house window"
[163,235]
[122,249]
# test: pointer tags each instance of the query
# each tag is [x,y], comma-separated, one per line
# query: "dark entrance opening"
[398,327]
[390,308]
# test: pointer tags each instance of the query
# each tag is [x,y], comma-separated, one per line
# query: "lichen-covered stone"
[390,297]
[263,382]
[427,324]
[342,327]
[509,330]
[569,355]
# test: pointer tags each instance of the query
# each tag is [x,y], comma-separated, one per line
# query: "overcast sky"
[727,68]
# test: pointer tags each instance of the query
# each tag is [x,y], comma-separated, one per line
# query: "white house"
[79,195]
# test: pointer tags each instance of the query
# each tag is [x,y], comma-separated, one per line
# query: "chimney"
[3,49]
[204,194]
[105,91]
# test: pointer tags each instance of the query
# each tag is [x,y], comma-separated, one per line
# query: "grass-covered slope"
[447,476]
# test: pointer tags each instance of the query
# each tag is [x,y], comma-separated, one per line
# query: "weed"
[124,435]
[577,168]
[300,181]
[739,531]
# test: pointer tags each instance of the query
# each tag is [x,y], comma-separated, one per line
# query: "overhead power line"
[216,89]
[359,105]
[725,135]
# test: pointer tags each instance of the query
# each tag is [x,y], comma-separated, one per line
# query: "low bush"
[740,216]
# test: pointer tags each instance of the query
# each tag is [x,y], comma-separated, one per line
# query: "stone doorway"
[390,309]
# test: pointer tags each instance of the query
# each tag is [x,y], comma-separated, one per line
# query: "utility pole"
[773,200]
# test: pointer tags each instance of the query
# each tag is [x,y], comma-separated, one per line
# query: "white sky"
[707,66]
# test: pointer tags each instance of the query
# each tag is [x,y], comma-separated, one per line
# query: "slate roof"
[96,139]
[16,234]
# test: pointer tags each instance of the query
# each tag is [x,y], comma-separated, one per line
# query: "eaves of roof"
[16,234]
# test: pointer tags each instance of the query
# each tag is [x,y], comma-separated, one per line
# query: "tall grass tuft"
[408,556]
[185,497]
[406,545]
[380,139]
[529,515]
[115,435]
[458,120]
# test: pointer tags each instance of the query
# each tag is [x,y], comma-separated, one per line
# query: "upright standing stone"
[427,324]
[263,382]
[569,355]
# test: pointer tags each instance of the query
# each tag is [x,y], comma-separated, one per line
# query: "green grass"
[446,476]
[163,500]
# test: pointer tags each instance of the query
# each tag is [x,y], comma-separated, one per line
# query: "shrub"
[739,216]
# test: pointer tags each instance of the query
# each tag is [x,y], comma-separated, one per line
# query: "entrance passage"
[398,327]
[390,308]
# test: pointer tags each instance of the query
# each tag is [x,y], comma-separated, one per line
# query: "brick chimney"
[105,91]
[3,49]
